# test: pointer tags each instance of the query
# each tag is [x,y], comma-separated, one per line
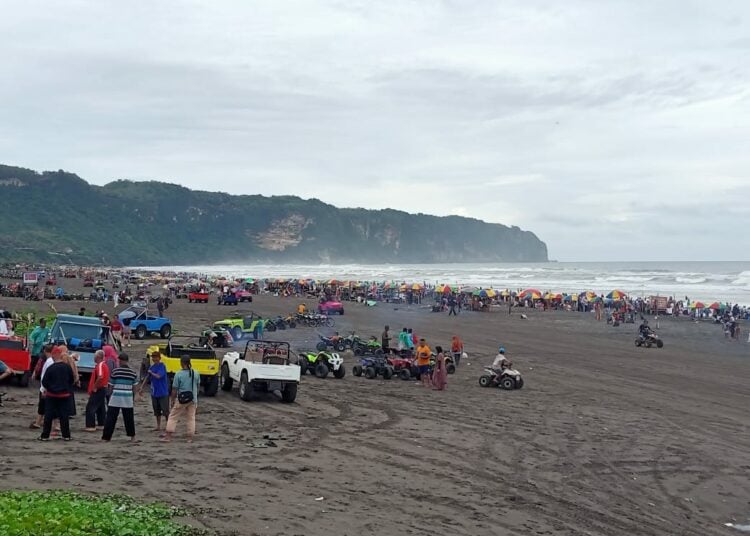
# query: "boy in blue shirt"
[157,376]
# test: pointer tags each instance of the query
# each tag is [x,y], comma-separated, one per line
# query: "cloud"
[621,125]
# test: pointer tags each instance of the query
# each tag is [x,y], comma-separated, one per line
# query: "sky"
[613,129]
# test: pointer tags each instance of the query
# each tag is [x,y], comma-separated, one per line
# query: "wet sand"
[604,439]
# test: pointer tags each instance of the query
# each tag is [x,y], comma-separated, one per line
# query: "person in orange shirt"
[423,362]
[457,348]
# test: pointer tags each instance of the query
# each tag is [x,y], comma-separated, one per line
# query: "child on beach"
[157,377]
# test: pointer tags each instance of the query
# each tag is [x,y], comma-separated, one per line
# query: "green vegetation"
[62,513]
[57,217]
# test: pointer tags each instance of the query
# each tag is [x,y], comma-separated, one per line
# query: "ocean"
[707,281]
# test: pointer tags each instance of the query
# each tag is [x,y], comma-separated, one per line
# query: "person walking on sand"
[157,377]
[403,344]
[439,373]
[45,361]
[423,362]
[122,385]
[184,398]
[452,304]
[385,340]
[457,348]
[58,388]
[96,407]
[116,328]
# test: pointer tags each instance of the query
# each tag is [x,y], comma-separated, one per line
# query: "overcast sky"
[613,129]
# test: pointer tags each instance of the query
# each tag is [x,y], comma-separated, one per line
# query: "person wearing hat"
[122,386]
[157,377]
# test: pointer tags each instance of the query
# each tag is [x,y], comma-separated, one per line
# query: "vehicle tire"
[340,347]
[212,386]
[140,332]
[660,343]
[387,373]
[190,301]
[507,383]
[302,366]
[292,325]
[358,350]
[450,368]
[165,331]
[289,394]
[246,389]
[404,374]
[340,372]
[237,333]
[269,326]
[648,344]
[357,370]
[519,383]
[321,346]
[378,352]
[226,380]
[23,379]
[638,342]
[321,369]
[341,312]
[371,373]
[329,322]
[485,381]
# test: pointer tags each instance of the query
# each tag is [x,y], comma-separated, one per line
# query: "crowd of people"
[112,390]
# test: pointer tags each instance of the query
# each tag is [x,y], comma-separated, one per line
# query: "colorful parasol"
[530,294]
[616,295]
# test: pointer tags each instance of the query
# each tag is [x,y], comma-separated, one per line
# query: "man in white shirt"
[47,352]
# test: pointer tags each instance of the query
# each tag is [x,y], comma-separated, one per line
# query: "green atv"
[240,325]
[321,363]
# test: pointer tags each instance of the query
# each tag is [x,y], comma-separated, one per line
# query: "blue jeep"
[141,323]
[83,335]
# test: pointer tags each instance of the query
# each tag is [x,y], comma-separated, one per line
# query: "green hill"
[58,217]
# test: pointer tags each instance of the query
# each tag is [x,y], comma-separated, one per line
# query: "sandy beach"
[604,439]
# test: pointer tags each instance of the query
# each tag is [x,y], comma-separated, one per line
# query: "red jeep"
[15,353]
[198,296]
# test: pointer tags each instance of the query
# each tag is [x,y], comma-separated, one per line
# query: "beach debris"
[319,498]
[741,528]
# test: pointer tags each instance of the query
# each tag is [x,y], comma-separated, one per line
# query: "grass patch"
[64,513]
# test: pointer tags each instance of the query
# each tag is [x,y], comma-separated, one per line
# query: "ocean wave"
[690,280]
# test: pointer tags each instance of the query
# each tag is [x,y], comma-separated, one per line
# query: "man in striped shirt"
[122,382]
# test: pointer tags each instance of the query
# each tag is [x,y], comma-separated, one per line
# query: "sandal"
[34,426]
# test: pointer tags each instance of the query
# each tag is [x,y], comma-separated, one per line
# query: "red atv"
[402,364]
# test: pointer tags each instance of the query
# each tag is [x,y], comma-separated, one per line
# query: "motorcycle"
[648,340]
[508,378]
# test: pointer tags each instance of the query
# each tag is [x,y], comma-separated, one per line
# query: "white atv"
[507,378]
[263,367]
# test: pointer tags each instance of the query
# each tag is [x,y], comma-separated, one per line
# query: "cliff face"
[58,217]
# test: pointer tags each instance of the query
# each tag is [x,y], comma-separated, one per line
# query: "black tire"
[485,381]
[237,333]
[340,347]
[23,379]
[321,370]
[140,332]
[638,342]
[341,312]
[450,368]
[387,373]
[648,344]
[190,301]
[357,370]
[519,383]
[321,346]
[246,389]
[212,386]
[507,383]
[660,343]
[358,350]
[404,374]
[302,366]
[289,394]
[378,351]
[340,372]
[165,331]
[371,373]
[292,325]
[226,381]
[269,326]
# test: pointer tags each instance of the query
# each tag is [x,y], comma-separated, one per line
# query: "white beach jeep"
[263,367]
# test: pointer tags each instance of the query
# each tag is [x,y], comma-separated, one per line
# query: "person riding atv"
[501,362]
[644,330]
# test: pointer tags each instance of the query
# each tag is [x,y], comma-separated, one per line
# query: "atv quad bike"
[374,366]
[321,363]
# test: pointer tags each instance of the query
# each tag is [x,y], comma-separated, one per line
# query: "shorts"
[424,369]
[42,405]
[160,405]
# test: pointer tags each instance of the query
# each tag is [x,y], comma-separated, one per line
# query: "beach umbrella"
[698,305]
[715,306]
[469,290]
[589,295]
[250,280]
[416,286]
[485,293]
[505,293]
[616,295]
[530,294]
